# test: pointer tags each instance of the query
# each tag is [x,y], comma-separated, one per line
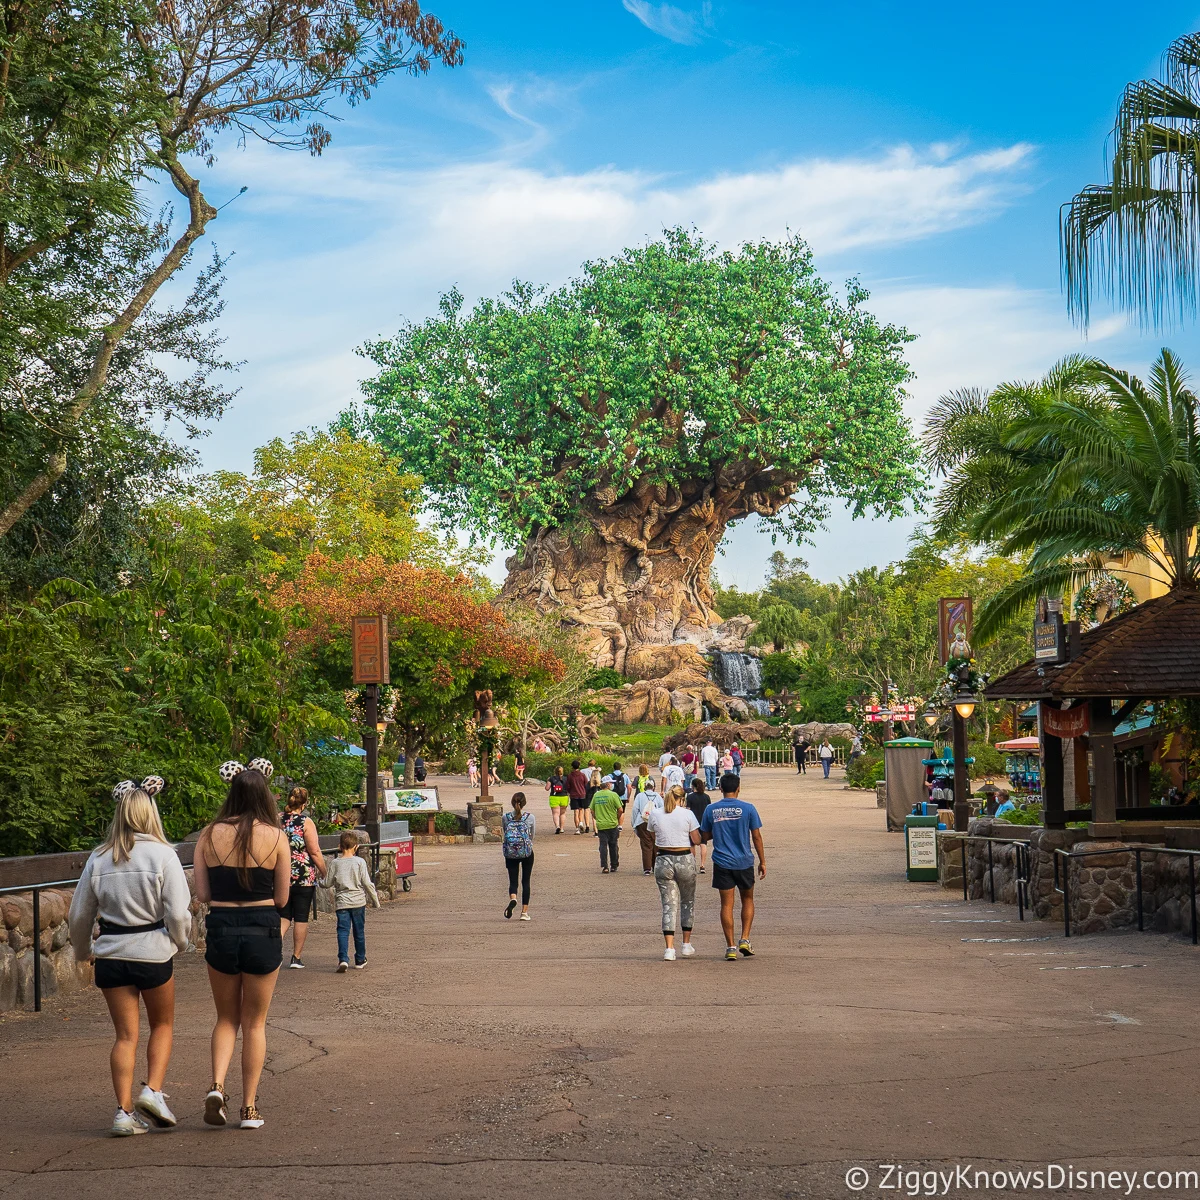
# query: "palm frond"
[1136,236]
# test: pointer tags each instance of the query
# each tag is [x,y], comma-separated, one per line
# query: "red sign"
[404,856]
[1066,723]
[370,635]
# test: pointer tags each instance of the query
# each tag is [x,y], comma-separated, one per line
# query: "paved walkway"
[881,1021]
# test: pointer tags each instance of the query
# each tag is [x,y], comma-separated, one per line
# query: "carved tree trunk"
[633,573]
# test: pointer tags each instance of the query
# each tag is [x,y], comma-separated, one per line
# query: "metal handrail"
[1022,865]
[37,888]
[1137,852]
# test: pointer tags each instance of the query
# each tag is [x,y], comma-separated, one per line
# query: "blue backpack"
[517,841]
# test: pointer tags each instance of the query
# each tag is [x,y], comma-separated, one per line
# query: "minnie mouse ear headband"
[227,770]
[151,785]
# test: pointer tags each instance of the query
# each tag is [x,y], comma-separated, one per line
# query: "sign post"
[370,639]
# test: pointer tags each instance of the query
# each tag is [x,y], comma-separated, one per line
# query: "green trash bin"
[920,848]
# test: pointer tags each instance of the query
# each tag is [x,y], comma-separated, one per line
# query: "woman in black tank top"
[243,873]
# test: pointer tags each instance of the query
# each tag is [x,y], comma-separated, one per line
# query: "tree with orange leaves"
[447,642]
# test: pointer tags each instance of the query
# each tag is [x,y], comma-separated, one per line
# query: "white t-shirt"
[674,774]
[664,758]
[825,752]
[708,756]
[672,830]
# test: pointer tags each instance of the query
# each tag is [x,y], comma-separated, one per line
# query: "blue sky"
[923,148]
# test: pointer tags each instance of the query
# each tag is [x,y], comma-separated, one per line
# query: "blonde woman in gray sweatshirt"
[134,887]
[351,882]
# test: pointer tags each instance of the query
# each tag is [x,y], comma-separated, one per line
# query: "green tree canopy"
[670,364]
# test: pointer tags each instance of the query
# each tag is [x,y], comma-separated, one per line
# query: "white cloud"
[670,22]
[337,250]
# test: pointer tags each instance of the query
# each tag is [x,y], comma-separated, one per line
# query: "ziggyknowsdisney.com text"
[1053,1177]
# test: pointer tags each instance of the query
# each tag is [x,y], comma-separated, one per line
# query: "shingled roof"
[1151,652]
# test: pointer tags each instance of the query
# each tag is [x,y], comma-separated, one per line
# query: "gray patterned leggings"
[676,878]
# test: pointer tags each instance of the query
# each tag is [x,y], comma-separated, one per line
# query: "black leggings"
[525,866]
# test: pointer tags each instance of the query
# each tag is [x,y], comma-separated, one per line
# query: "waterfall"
[740,675]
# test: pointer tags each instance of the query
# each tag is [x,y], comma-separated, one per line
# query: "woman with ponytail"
[134,885]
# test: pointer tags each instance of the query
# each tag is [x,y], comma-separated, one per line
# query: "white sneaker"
[251,1118]
[669,954]
[525,917]
[154,1105]
[687,950]
[126,1124]
[214,1107]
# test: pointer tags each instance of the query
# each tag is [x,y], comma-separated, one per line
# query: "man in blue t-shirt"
[734,826]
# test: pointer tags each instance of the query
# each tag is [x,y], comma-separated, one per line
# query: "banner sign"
[954,623]
[1066,723]
[895,712]
[370,637]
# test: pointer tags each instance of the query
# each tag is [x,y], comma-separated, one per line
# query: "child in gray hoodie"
[351,882]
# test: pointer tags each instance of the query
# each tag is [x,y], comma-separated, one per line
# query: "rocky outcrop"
[722,733]
[814,731]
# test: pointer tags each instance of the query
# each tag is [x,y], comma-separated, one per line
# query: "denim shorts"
[243,941]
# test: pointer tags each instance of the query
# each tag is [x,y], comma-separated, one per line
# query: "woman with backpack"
[738,758]
[517,840]
[556,785]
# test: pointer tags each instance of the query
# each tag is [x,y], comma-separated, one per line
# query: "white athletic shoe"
[154,1105]
[687,950]
[214,1107]
[127,1124]
[525,917]
[669,954]
[251,1118]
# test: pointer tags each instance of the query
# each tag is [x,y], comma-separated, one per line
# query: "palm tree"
[965,440]
[779,624]
[1124,481]
[1139,233]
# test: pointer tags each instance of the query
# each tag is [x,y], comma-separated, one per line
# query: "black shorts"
[725,879]
[578,802]
[129,972]
[300,904]
[243,941]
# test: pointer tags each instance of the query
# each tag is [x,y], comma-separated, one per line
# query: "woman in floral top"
[307,864]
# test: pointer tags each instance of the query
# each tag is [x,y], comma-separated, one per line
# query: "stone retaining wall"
[1103,886]
[60,971]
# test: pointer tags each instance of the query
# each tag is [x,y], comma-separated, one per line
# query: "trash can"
[920,847]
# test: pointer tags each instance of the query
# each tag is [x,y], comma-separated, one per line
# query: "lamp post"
[962,706]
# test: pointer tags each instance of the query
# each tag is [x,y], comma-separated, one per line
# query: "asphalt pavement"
[881,1022]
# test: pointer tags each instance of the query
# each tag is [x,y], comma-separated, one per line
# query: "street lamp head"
[964,704]
[931,716]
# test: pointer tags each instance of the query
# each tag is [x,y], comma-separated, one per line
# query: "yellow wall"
[1144,577]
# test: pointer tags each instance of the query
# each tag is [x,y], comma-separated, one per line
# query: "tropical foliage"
[1135,238]
[1114,475]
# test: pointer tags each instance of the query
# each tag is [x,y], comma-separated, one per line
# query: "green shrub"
[866,770]
[1030,814]
[604,677]
[447,822]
